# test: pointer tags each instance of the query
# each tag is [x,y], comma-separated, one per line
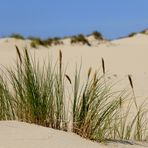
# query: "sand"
[22,135]
[122,57]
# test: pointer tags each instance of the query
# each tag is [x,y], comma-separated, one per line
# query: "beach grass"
[35,42]
[97,35]
[38,94]
[80,39]
[17,36]
[132,34]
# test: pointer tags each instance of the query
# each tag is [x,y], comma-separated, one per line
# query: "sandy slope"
[122,57]
[22,135]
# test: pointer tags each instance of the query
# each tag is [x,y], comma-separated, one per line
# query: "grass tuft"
[97,35]
[17,36]
[80,39]
[132,34]
[103,66]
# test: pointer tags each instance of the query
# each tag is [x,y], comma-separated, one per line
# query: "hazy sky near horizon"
[45,18]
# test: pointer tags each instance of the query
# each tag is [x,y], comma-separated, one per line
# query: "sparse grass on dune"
[17,36]
[132,34]
[36,94]
[77,39]
[144,31]
[80,39]
[35,42]
[6,101]
[97,35]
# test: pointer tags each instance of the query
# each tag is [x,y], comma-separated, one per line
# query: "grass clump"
[144,31]
[80,39]
[97,35]
[54,41]
[35,42]
[92,110]
[6,101]
[57,41]
[17,36]
[132,34]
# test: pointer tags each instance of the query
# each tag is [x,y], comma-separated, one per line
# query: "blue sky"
[48,18]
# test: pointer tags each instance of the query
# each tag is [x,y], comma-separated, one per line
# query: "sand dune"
[122,57]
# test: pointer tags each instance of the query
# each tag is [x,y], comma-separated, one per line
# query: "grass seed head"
[68,78]
[131,82]
[19,54]
[103,66]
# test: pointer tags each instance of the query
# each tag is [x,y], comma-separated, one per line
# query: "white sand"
[122,57]
[22,135]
